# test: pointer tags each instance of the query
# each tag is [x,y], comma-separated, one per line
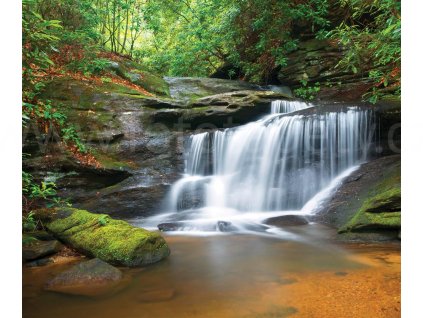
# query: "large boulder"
[368,203]
[113,241]
[88,278]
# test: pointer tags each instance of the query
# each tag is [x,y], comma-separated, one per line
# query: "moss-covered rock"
[192,88]
[367,206]
[114,241]
[140,76]
[381,209]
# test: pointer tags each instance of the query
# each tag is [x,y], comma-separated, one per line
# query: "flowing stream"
[287,162]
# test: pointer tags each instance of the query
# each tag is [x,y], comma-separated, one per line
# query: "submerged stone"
[114,241]
[89,278]
[156,295]
[39,262]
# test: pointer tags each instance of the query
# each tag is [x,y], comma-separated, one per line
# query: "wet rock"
[367,208]
[286,220]
[89,278]
[386,202]
[38,249]
[39,262]
[220,110]
[225,226]
[156,295]
[124,201]
[170,226]
[114,241]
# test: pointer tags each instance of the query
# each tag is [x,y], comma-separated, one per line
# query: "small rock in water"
[286,220]
[157,295]
[39,262]
[341,273]
[225,226]
[170,226]
[38,249]
[89,278]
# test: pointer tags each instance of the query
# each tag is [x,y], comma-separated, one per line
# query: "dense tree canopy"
[195,37]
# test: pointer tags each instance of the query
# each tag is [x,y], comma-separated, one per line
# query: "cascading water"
[286,106]
[278,163]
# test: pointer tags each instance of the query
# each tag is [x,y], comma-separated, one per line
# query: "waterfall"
[278,163]
[286,106]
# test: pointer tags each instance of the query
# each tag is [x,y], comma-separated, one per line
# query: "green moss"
[117,89]
[98,235]
[381,209]
[110,162]
[28,240]
[141,77]
[363,221]
[151,82]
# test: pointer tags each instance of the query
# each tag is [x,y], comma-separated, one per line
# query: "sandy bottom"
[239,276]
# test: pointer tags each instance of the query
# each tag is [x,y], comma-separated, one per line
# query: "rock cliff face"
[137,139]
[316,61]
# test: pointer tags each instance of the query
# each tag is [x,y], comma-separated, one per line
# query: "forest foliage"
[252,37]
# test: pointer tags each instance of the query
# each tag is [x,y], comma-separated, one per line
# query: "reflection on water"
[239,276]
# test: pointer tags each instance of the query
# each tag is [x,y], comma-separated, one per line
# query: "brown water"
[240,276]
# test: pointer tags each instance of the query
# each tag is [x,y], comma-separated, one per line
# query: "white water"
[281,164]
[285,106]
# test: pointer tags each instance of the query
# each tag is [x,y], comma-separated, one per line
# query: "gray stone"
[38,249]
[286,220]
[89,278]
